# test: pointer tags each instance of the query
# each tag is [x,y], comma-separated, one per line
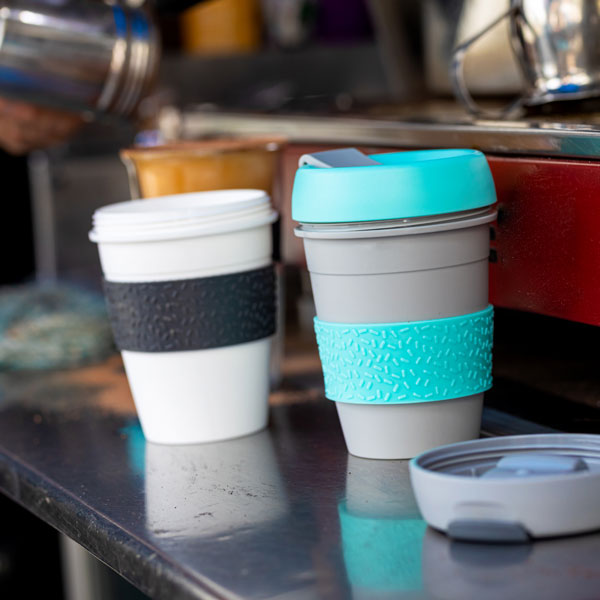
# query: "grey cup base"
[401,431]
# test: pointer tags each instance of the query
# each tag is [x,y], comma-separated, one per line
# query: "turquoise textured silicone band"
[417,361]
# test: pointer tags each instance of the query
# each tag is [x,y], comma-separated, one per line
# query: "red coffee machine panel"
[547,240]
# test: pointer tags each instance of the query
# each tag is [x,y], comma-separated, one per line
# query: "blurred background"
[229,93]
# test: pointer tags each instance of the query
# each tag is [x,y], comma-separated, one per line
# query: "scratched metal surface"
[285,513]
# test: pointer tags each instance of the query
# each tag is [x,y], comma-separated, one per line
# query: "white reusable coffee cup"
[397,250]
[190,292]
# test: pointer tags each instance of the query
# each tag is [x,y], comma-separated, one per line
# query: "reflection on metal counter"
[549,570]
[381,530]
[217,489]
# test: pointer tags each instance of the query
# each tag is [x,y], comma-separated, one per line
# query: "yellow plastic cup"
[197,166]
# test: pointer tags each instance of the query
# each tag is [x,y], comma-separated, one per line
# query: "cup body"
[224,163]
[193,395]
[403,274]
[397,275]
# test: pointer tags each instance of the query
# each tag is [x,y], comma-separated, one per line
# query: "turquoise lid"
[404,185]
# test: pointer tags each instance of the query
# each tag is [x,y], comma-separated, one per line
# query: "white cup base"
[200,395]
[401,431]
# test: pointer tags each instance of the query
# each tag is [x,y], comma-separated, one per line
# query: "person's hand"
[26,127]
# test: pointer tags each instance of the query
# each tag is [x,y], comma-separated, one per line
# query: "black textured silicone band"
[192,314]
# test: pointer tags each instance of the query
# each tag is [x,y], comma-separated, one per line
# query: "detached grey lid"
[511,489]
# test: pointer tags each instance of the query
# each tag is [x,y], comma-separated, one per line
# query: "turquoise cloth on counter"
[52,327]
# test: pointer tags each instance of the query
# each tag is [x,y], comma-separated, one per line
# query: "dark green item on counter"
[52,327]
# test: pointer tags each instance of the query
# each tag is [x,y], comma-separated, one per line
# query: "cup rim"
[188,221]
[177,206]
[397,227]
[198,230]
[182,215]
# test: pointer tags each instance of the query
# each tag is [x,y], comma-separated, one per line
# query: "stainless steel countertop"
[567,136]
[285,513]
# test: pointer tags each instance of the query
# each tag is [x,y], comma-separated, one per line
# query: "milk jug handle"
[457,76]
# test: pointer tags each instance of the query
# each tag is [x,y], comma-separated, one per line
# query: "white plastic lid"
[511,489]
[180,206]
[181,215]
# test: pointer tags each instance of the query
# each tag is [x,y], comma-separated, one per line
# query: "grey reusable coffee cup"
[398,258]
